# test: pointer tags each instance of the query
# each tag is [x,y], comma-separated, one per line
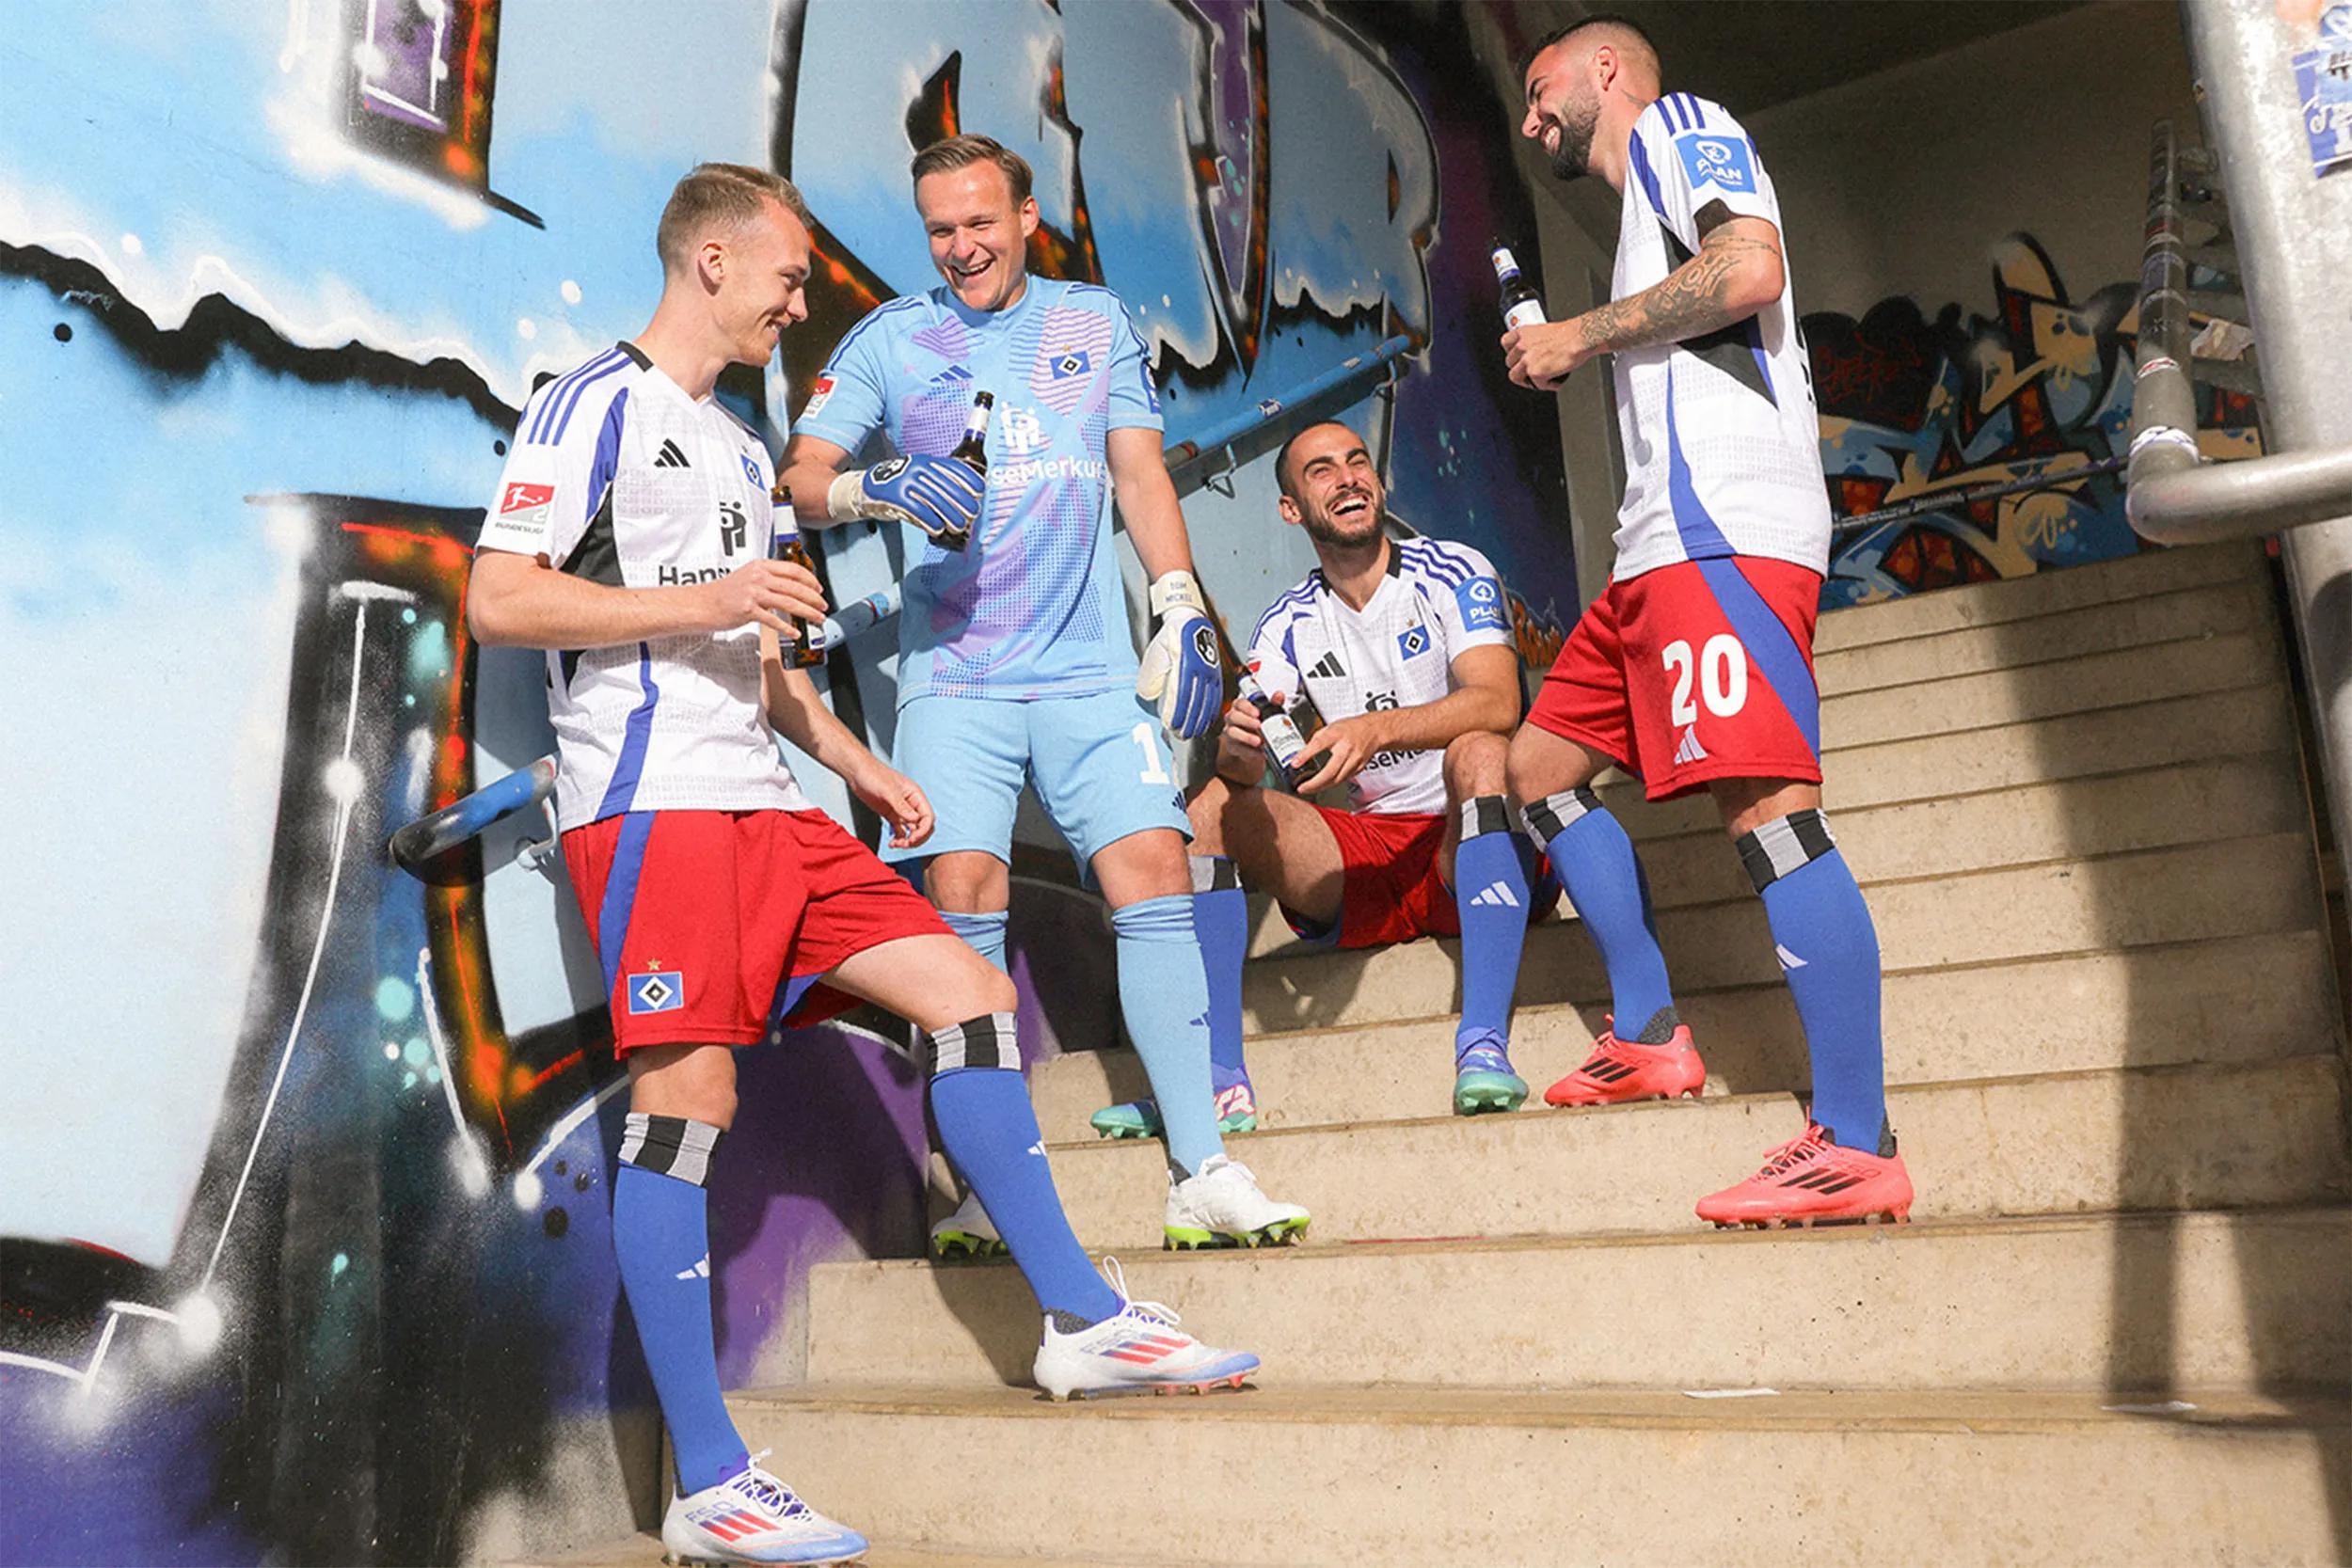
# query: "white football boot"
[1139,1350]
[966,1233]
[1221,1206]
[753,1517]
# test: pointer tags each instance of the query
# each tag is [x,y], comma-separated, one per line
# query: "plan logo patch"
[656,991]
[1722,162]
[527,503]
[1481,603]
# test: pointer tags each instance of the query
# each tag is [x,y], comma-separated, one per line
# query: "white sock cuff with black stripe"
[670,1145]
[1784,846]
[988,1040]
[1213,874]
[1546,818]
[1485,814]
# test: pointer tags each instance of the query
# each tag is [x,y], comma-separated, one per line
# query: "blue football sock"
[1829,949]
[662,1236]
[985,932]
[1490,896]
[990,1130]
[1164,996]
[1595,862]
[1220,917]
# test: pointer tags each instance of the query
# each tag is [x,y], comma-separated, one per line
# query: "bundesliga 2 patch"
[1481,603]
[656,991]
[819,394]
[1722,162]
[527,503]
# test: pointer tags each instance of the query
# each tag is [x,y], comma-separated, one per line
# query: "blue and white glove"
[1182,669]
[938,494]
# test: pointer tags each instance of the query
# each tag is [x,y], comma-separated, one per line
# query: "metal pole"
[2294,232]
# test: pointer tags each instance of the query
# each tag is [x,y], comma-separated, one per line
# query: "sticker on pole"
[2322,87]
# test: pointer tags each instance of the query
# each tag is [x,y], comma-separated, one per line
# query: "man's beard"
[1575,156]
[1328,531]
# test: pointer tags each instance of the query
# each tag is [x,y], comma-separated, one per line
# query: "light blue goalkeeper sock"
[1164,996]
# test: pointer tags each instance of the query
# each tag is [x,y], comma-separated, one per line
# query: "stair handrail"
[2172,494]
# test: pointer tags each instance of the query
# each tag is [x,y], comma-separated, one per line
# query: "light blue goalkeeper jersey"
[1034,608]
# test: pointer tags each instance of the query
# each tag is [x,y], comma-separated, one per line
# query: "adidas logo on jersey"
[1327,669]
[669,457]
[700,1271]
[1495,895]
[1690,750]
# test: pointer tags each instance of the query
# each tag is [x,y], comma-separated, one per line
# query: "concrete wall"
[303,1243]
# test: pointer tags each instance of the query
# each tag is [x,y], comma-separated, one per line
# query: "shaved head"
[1635,52]
[1588,79]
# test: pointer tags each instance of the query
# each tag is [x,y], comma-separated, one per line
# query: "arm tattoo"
[1690,302]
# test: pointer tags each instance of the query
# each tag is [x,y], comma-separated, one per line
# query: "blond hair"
[956,152]
[720,195]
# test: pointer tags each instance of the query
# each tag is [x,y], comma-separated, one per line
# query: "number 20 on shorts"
[1722,669]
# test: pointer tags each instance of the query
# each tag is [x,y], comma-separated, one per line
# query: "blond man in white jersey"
[631,538]
[1694,670]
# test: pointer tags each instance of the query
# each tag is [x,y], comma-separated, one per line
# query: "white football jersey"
[1398,651]
[618,477]
[1722,445]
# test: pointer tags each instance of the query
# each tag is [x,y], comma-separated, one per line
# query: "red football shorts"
[710,924]
[1694,672]
[1392,889]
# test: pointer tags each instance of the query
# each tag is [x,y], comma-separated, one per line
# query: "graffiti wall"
[303,1241]
[2042,388]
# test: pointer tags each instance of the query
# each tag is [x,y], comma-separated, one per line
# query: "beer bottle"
[1522,307]
[1284,738]
[785,544]
[971,451]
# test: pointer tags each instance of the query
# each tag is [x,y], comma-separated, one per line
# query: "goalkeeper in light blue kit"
[1015,661]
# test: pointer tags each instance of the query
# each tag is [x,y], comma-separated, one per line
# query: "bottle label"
[1527,312]
[1506,266]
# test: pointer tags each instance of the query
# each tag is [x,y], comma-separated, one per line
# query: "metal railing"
[2172,494]
[2285,230]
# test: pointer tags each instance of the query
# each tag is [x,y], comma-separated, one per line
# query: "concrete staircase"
[2118,1330]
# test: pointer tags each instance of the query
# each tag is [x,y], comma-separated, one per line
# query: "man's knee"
[1207,810]
[968,882]
[979,987]
[1476,764]
[695,1082]
[1541,763]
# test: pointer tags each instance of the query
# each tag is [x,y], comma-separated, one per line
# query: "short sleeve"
[1272,656]
[1470,603]
[551,486]
[1134,401]
[1698,156]
[848,401]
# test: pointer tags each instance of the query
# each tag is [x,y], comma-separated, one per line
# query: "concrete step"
[2145,809]
[2190,892]
[1424,1477]
[2243,725]
[2257,1299]
[2243,999]
[2183,1137]
[2203,610]
[2085,684]
[2047,593]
